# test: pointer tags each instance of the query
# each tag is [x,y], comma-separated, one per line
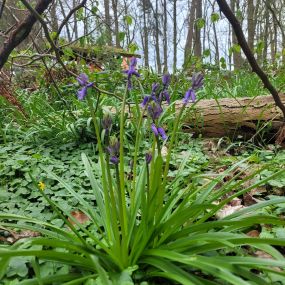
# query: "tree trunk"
[157,49]
[265,37]
[165,66]
[250,24]
[174,35]
[145,33]
[190,33]
[198,46]
[116,22]
[69,37]
[108,22]
[53,17]
[236,55]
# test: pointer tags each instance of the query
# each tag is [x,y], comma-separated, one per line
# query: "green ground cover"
[155,211]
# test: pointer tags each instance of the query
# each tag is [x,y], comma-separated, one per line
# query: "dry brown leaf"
[235,202]
[228,210]
[253,233]
[79,216]
[248,200]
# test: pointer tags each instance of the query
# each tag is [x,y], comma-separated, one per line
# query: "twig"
[65,20]
[224,7]
[2,8]
[46,31]
[266,2]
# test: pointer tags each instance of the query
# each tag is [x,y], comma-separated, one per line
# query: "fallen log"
[233,117]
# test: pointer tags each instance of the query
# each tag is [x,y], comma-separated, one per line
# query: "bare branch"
[2,7]
[21,31]
[65,20]
[46,31]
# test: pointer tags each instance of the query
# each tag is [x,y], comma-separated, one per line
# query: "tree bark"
[265,37]
[116,22]
[21,31]
[165,65]
[250,24]
[108,22]
[198,46]
[156,32]
[174,35]
[236,55]
[190,33]
[145,33]
[53,17]
[231,117]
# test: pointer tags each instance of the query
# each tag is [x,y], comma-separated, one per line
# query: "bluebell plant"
[197,82]
[147,226]
[83,81]
[114,150]
[131,71]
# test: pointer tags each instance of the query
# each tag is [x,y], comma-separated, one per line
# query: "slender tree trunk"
[67,25]
[250,24]
[265,37]
[145,35]
[75,29]
[236,55]
[198,46]
[116,21]
[216,42]
[190,33]
[273,42]
[217,53]
[53,17]
[108,22]
[165,66]
[157,49]
[174,35]
[85,23]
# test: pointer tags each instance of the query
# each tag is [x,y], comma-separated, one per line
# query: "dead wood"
[232,117]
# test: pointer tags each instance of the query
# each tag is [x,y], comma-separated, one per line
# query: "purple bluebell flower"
[164,95]
[154,88]
[146,99]
[154,129]
[83,81]
[154,110]
[197,81]
[114,149]
[190,94]
[148,157]
[114,159]
[132,71]
[166,80]
[107,122]
[162,133]
[158,131]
